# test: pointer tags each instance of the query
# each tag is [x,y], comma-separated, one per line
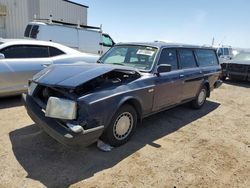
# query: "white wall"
[16,18]
[63,11]
[20,12]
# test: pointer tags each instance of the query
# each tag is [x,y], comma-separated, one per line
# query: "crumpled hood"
[71,76]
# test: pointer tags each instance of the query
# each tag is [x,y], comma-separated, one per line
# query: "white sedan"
[21,59]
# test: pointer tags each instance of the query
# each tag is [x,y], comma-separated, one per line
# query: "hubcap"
[123,126]
[202,96]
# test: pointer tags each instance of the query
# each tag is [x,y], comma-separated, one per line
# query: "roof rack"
[51,21]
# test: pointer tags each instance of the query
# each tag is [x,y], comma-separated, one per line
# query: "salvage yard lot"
[180,147]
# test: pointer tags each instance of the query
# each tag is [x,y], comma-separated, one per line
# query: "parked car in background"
[77,104]
[238,68]
[225,53]
[83,38]
[21,59]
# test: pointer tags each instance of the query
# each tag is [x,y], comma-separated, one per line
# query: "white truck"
[224,53]
[87,39]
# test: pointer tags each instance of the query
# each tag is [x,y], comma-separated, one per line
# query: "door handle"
[182,75]
[46,64]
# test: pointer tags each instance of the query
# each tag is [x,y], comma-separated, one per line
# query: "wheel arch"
[207,85]
[135,103]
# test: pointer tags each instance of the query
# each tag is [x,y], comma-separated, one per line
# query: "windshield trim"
[140,70]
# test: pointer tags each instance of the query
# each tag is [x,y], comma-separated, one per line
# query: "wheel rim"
[123,125]
[202,96]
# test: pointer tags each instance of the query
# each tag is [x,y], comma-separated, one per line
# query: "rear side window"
[187,59]
[25,51]
[55,52]
[37,51]
[169,56]
[206,57]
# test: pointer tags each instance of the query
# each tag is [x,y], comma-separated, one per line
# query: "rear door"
[169,85]
[22,62]
[209,64]
[89,41]
[192,74]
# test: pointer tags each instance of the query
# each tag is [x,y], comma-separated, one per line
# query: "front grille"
[238,68]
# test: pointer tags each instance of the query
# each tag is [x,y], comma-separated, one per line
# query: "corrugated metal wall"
[34,9]
[63,11]
[16,18]
[20,12]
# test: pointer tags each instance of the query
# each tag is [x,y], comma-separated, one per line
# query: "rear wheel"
[200,99]
[121,127]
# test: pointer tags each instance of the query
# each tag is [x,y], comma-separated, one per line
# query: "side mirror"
[2,56]
[163,68]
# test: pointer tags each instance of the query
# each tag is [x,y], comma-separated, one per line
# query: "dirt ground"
[177,148]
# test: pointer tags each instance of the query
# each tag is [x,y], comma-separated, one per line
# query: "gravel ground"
[180,147]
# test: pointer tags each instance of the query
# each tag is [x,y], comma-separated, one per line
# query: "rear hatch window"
[31,31]
[27,31]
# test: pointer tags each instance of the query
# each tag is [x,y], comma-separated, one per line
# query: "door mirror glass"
[2,56]
[163,68]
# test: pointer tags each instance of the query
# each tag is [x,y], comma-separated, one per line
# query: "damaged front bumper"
[59,132]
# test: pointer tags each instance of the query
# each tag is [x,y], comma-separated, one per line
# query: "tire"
[122,126]
[200,99]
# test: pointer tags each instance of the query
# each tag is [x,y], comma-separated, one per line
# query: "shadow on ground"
[10,102]
[245,84]
[54,165]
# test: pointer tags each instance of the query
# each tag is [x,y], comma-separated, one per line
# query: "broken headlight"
[61,108]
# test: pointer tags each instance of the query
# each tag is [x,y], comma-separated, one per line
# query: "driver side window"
[169,56]
[107,41]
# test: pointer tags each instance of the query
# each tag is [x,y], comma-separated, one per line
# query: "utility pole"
[213,41]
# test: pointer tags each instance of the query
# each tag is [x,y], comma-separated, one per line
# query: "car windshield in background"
[140,57]
[243,57]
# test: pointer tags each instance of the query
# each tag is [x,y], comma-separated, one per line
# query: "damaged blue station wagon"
[78,104]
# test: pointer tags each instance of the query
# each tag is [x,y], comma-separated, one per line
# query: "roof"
[165,44]
[76,3]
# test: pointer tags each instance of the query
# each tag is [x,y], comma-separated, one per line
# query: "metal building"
[15,14]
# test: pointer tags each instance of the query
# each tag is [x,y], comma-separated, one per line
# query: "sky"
[182,21]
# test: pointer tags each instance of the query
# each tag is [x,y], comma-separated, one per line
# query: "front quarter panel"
[102,105]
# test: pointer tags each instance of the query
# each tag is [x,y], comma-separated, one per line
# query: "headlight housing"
[61,108]
[31,88]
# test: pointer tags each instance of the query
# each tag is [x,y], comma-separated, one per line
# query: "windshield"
[140,57]
[243,57]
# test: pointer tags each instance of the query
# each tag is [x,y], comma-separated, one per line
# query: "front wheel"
[121,127]
[200,99]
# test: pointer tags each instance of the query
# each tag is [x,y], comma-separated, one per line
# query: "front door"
[169,85]
[20,64]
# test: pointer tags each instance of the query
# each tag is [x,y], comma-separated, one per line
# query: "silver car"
[21,59]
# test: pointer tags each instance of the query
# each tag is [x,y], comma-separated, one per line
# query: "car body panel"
[15,72]
[99,95]
[238,70]
[78,74]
